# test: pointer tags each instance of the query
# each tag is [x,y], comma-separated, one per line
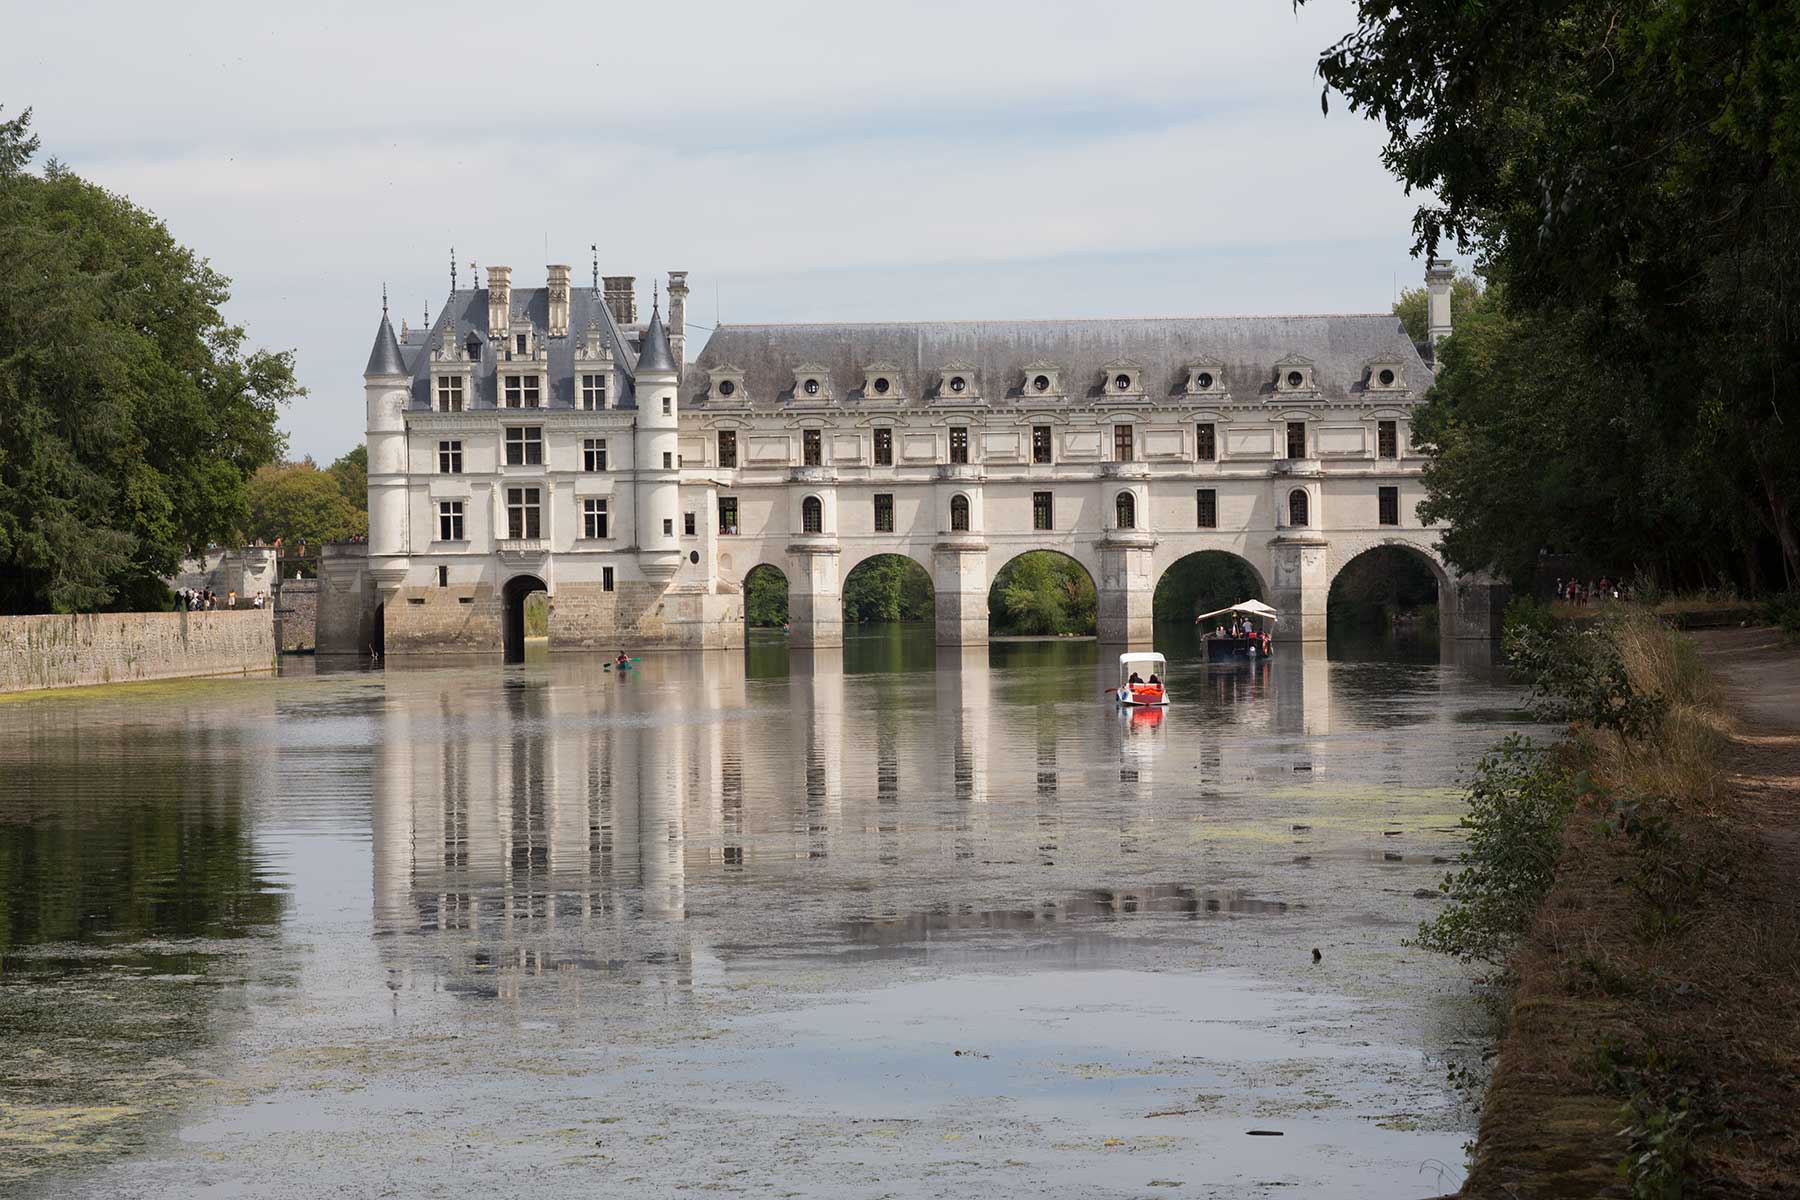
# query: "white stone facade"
[1123,444]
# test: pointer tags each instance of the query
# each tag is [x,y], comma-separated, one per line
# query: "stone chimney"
[559,299]
[621,297]
[499,303]
[678,294]
[1440,273]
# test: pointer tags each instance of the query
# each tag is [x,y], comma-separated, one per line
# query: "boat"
[1222,646]
[1141,695]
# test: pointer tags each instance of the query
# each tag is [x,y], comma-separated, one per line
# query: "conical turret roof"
[385,358]
[655,355]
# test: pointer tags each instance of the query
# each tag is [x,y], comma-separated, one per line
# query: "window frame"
[593,455]
[960,515]
[1206,508]
[593,392]
[450,456]
[450,393]
[451,515]
[1043,512]
[596,514]
[812,447]
[1387,439]
[884,446]
[1206,441]
[1124,443]
[1125,510]
[728,504]
[1299,509]
[726,444]
[1043,445]
[1385,497]
[529,442]
[1296,429]
[959,445]
[524,513]
[884,512]
[812,515]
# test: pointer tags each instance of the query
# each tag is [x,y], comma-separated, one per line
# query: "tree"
[131,415]
[299,503]
[1042,592]
[1629,176]
[352,474]
[888,587]
[766,597]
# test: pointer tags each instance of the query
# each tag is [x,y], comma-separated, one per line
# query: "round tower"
[386,389]
[658,446]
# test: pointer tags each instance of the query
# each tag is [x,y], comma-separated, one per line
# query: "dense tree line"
[132,416]
[1627,175]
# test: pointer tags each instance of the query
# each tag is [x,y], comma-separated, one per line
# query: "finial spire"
[595,247]
[453,270]
[384,297]
[655,297]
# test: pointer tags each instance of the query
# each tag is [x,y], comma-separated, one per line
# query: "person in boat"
[1154,681]
[1135,679]
[622,660]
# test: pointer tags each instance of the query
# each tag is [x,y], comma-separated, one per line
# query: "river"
[887,921]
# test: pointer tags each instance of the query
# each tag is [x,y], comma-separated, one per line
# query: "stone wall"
[344,620]
[71,651]
[296,613]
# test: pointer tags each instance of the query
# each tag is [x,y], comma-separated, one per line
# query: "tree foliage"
[1203,582]
[351,471]
[888,587]
[1467,295]
[1628,175]
[1042,592]
[766,597]
[299,503]
[131,414]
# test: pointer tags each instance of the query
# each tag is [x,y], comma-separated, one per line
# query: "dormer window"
[959,383]
[450,393]
[881,381]
[522,391]
[1203,381]
[473,347]
[727,385]
[1206,377]
[1042,379]
[519,343]
[1294,375]
[1040,383]
[1385,376]
[727,388]
[812,382]
[1123,379]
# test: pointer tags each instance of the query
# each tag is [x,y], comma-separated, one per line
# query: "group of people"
[1573,591]
[1137,680]
[207,600]
[1240,627]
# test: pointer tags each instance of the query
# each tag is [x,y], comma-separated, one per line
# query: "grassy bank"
[1636,883]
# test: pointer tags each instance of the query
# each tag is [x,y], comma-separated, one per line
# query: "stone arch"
[1346,553]
[1346,550]
[512,617]
[1001,619]
[1169,575]
[866,560]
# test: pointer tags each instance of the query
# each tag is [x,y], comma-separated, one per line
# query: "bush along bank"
[1619,884]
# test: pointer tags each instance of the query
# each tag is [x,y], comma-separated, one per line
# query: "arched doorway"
[1384,595]
[513,597]
[1042,593]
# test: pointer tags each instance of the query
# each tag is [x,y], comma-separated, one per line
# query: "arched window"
[812,515]
[1297,507]
[1126,505]
[959,514]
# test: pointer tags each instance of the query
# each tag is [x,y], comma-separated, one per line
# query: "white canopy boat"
[1233,642]
[1142,694]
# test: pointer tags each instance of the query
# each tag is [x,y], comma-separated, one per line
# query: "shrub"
[1518,803]
[1784,610]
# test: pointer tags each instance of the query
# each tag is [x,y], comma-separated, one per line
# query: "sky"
[802,161]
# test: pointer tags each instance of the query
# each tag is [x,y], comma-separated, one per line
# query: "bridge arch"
[1379,592]
[857,597]
[1203,580]
[765,588]
[1043,591]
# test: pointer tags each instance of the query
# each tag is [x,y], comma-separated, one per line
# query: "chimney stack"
[559,299]
[678,294]
[1440,273]
[621,297]
[499,303]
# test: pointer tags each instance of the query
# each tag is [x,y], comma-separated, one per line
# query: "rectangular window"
[522,513]
[1206,508]
[1296,439]
[687,524]
[1122,443]
[593,454]
[520,343]
[1206,443]
[669,527]
[668,461]
[606,579]
[728,519]
[727,448]
[443,576]
[668,406]
[959,445]
[450,393]
[593,519]
[1041,510]
[811,447]
[884,512]
[884,447]
[522,391]
[1387,440]
[524,446]
[1040,444]
[1390,505]
[593,391]
[450,520]
[449,458]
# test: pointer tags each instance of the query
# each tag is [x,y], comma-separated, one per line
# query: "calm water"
[890,920]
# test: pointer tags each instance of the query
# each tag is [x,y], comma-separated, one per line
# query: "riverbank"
[1653,1048]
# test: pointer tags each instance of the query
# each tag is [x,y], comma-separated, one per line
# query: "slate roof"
[467,309]
[384,357]
[654,354]
[1339,347]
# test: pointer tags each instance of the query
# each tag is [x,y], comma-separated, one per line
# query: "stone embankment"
[72,651]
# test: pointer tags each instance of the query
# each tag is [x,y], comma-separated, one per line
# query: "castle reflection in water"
[561,817]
